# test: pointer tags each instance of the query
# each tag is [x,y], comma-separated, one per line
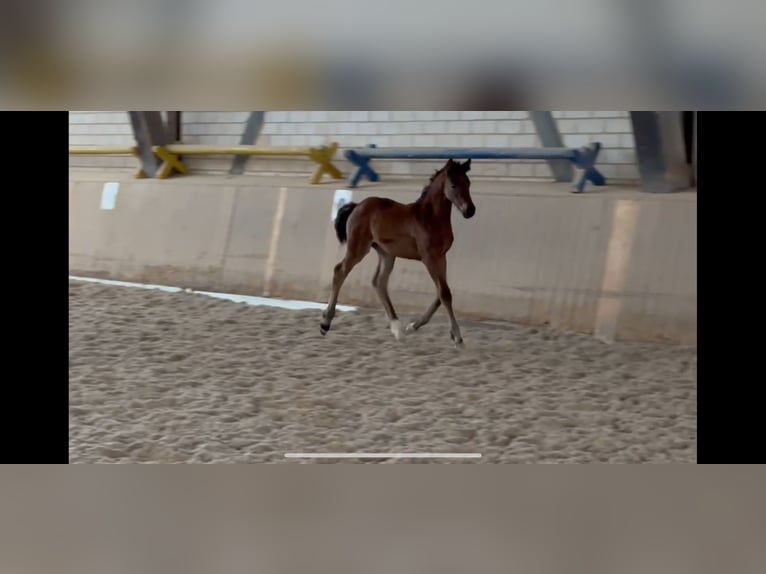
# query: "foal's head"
[457,187]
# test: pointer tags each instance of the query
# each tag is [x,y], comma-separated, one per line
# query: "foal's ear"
[467,165]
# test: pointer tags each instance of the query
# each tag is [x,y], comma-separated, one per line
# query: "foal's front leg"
[437,268]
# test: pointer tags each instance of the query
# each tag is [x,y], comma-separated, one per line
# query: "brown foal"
[421,231]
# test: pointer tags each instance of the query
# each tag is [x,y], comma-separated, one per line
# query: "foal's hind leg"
[425,318]
[380,283]
[353,256]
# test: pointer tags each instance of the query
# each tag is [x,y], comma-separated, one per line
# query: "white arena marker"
[109,195]
[383,455]
[247,299]
[341,198]
[116,283]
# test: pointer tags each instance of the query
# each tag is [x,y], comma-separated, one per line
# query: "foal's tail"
[340,220]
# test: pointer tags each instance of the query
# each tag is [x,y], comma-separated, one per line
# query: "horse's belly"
[404,248]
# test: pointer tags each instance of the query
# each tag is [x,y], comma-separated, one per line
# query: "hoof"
[458,342]
[396,329]
[323,328]
[410,328]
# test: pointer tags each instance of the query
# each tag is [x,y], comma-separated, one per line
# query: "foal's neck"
[437,199]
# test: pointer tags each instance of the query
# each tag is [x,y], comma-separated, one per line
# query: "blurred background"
[426,520]
[605,54]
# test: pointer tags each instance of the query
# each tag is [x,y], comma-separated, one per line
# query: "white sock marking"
[396,329]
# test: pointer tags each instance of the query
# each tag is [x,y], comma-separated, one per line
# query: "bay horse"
[421,231]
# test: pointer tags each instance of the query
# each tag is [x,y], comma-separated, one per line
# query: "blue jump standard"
[583,158]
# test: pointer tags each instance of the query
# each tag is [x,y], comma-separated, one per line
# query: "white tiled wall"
[100,128]
[396,128]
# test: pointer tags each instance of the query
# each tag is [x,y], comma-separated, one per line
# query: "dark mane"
[427,186]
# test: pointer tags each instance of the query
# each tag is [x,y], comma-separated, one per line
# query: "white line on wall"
[276,229]
[109,195]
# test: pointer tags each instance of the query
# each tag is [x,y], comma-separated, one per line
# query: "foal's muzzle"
[469,212]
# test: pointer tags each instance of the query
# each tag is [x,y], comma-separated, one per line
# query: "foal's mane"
[427,186]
